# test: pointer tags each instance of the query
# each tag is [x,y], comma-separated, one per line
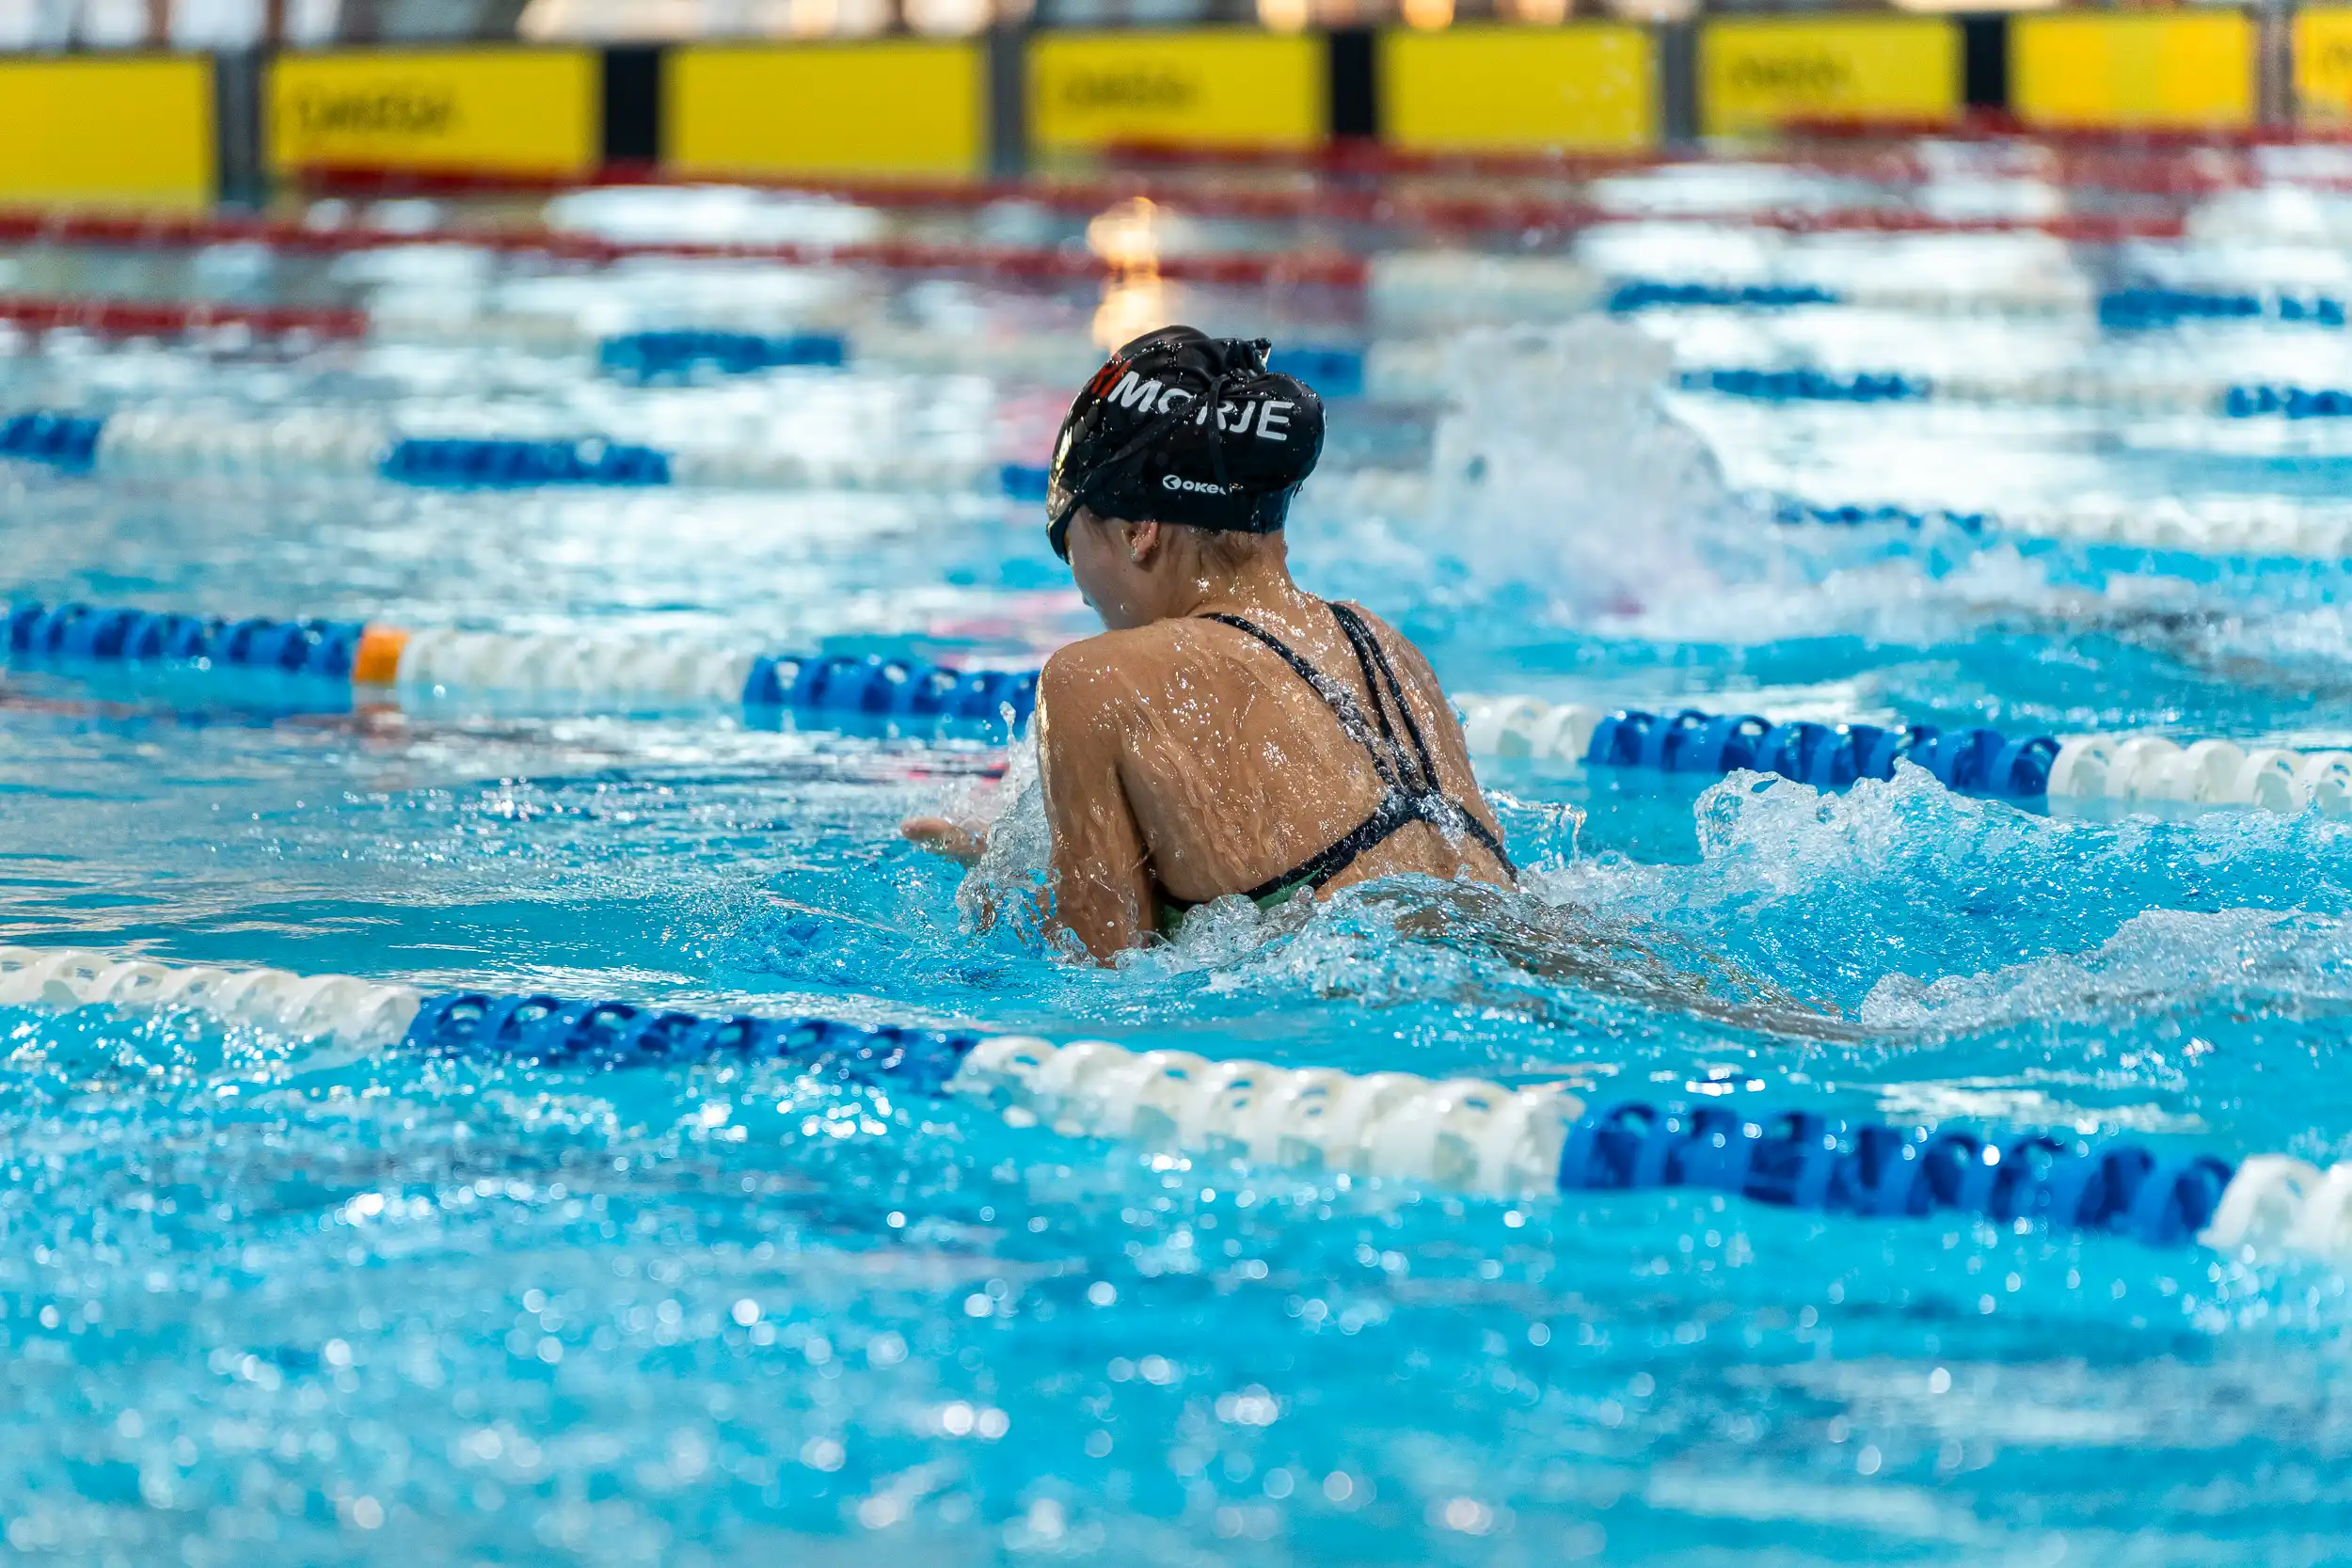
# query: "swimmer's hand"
[958,841]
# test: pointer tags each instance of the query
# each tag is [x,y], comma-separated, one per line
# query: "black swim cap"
[1186,428]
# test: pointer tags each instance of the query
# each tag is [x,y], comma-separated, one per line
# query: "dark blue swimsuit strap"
[1402,800]
[1439,809]
[1379,675]
[1339,699]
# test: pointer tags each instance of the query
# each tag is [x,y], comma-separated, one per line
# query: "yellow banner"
[502,111]
[1582,88]
[887,107]
[2169,69]
[2323,66]
[1756,73]
[113,131]
[1213,88]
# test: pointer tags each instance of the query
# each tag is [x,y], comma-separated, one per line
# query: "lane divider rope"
[1468,1134]
[673,355]
[2140,310]
[648,355]
[1043,263]
[1455,282]
[312,443]
[321,443]
[2076,388]
[1345,172]
[622,669]
[1976,761]
[2239,524]
[1461,1132]
[2128,309]
[668,354]
[1035,263]
[1424,206]
[613,669]
[155,318]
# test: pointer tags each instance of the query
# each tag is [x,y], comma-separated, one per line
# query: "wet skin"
[1182,757]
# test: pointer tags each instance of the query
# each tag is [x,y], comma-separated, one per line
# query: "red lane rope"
[148,318]
[1025,263]
[2155,140]
[1435,213]
[2143,162]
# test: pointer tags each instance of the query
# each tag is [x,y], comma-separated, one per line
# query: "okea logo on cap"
[1199,487]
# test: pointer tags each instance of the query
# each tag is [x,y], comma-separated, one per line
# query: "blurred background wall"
[183,102]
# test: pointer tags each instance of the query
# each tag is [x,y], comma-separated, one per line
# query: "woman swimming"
[1228,732]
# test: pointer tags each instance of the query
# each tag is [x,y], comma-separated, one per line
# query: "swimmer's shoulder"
[1140,667]
[1139,655]
[1100,675]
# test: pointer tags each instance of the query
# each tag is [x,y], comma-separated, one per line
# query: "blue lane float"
[1806,385]
[1024,482]
[1637,294]
[65,441]
[2140,310]
[1796,512]
[888,688]
[549,1029]
[1797,1159]
[84,633]
[2295,402]
[1333,373]
[1971,761]
[678,355]
[483,463]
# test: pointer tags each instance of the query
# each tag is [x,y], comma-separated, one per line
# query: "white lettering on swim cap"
[1271,425]
[1200,487]
[1133,391]
[1168,399]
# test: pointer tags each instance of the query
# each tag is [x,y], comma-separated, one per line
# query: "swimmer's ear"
[1143,540]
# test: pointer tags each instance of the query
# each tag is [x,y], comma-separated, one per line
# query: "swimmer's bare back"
[1187,759]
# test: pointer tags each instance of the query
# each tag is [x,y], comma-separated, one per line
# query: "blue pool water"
[261,1300]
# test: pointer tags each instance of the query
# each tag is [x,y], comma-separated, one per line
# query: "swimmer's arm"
[1102,883]
[963,843]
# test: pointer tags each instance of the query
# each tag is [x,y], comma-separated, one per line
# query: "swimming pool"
[267,1297]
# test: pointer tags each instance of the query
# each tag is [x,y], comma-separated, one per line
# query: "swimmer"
[1228,732]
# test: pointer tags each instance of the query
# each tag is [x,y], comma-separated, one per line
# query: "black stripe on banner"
[1984,60]
[632,105]
[1355,83]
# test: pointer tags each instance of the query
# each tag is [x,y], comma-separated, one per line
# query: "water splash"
[1557,469]
[1879,895]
